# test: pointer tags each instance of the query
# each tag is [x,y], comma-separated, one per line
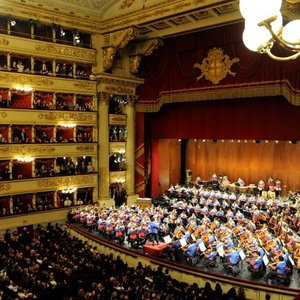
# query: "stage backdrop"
[261,119]
[250,161]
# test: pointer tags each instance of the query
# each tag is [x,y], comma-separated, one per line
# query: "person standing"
[153,228]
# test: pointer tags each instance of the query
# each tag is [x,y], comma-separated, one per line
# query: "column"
[11,205]
[9,134]
[75,198]
[103,144]
[34,201]
[8,62]
[54,101]
[130,146]
[32,64]
[33,169]
[10,169]
[54,67]
[32,134]
[74,69]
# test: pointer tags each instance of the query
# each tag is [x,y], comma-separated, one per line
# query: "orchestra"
[204,224]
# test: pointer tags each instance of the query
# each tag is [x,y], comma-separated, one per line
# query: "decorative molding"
[25,79]
[63,116]
[119,90]
[4,186]
[216,65]
[126,3]
[27,150]
[117,119]
[65,181]
[4,41]
[115,41]
[237,91]
[134,63]
[66,51]
[87,148]
[108,57]
[3,115]
[85,85]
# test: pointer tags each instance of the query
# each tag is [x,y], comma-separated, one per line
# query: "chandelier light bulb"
[255,36]
[259,10]
[291,32]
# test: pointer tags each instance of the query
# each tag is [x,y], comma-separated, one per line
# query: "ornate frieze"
[62,182]
[86,149]
[117,119]
[3,115]
[119,90]
[4,187]
[28,150]
[21,79]
[66,116]
[4,41]
[117,147]
[71,52]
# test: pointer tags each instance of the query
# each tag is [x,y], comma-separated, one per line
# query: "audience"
[51,264]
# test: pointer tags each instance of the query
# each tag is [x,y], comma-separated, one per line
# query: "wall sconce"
[25,159]
[68,125]
[23,88]
[69,191]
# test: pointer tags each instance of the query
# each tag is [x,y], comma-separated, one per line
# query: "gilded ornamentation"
[3,115]
[216,66]
[108,57]
[26,80]
[126,3]
[119,90]
[118,40]
[85,85]
[144,48]
[89,148]
[62,116]
[27,150]
[4,41]
[66,51]
[5,186]
[65,181]
[134,63]
[122,37]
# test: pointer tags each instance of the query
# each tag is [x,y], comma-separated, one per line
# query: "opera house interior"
[150,149]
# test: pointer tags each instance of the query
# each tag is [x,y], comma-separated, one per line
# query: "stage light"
[276,142]
[266,141]
[293,142]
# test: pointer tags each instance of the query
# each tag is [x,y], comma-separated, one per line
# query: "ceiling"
[153,18]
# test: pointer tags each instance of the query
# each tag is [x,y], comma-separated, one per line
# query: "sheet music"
[291,260]
[167,239]
[202,246]
[193,237]
[221,252]
[182,242]
[266,260]
[242,255]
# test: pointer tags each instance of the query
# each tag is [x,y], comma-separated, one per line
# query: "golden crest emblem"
[216,65]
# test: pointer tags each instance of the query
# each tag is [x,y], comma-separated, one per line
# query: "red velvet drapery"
[171,68]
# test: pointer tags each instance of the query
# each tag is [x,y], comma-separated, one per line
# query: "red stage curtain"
[171,67]
[272,118]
